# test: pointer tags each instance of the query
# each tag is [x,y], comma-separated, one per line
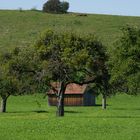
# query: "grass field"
[22,28]
[30,118]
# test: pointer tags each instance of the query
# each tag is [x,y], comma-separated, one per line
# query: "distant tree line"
[55,6]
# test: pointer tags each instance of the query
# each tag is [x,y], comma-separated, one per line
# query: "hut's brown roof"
[70,89]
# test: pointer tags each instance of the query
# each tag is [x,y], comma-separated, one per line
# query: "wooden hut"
[75,95]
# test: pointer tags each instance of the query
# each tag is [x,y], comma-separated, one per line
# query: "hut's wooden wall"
[69,100]
[76,100]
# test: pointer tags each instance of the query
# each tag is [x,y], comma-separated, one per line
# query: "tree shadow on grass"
[96,105]
[100,105]
[117,117]
[72,112]
[40,111]
[113,117]
[32,111]
[126,109]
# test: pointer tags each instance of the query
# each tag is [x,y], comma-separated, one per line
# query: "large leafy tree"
[9,84]
[55,6]
[125,62]
[17,74]
[71,58]
[65,58]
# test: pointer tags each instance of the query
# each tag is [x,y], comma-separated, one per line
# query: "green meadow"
[30,118]
[22,28]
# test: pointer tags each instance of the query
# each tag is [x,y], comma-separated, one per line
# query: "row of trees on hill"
[55,6]
[71,58]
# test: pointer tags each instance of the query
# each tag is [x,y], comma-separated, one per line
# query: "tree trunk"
[3,104]
[104,102]
[60,106]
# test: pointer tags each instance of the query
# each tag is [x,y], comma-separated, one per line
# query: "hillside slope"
[22,28]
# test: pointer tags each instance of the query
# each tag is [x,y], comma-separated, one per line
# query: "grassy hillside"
[22,28]
[30,118]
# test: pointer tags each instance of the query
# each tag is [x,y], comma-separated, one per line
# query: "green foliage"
[64,6]
[125,61]
[24,120]
[25,66]
[17,74]
[9,84]
[70,57]
[55,6]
